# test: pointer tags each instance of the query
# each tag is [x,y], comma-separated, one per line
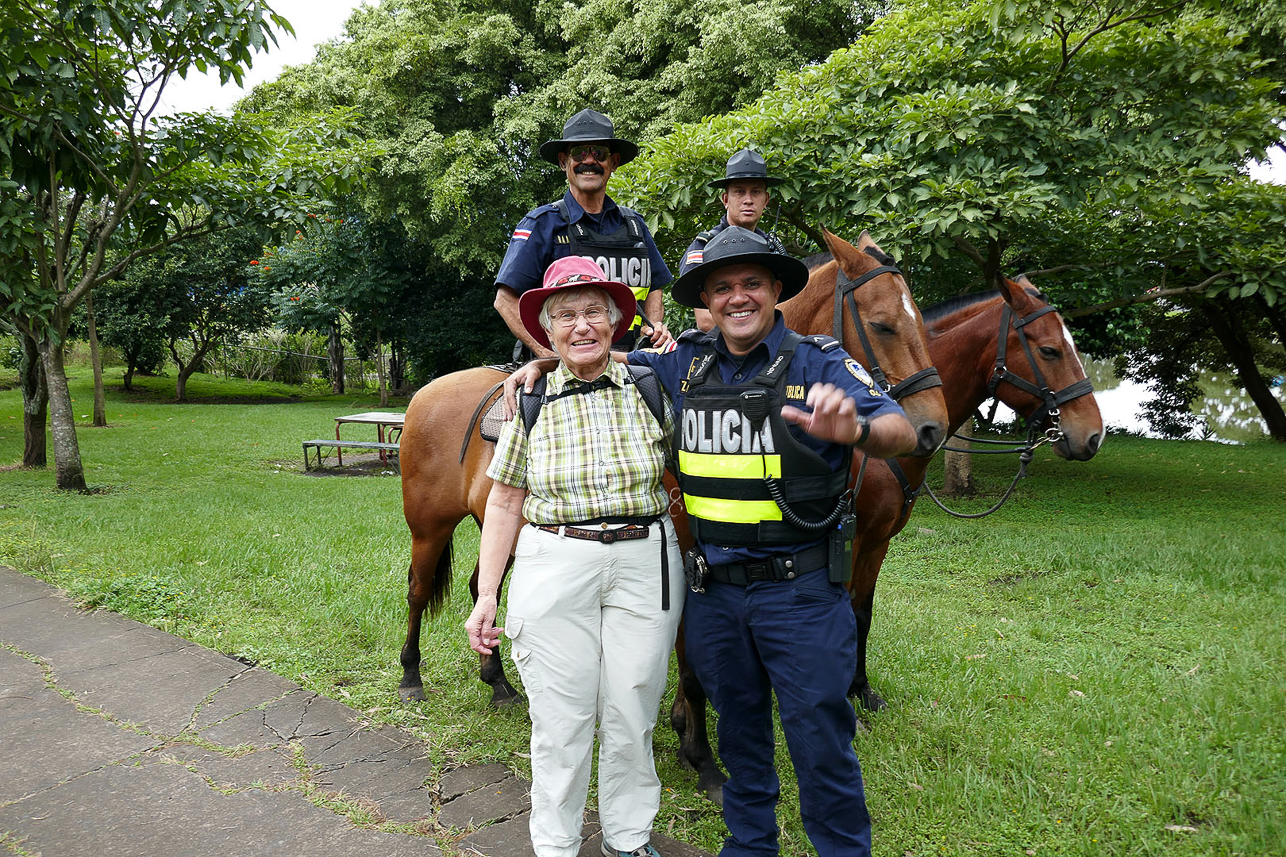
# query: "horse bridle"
[1049,398]
[925,379]
[1049,407]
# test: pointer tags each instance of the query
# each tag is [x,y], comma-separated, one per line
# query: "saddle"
[488,416]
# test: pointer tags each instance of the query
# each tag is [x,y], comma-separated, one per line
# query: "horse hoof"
[714,794]
[411,694]
[505,697]
[872,701]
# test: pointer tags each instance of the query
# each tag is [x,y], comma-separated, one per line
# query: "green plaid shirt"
[595,455]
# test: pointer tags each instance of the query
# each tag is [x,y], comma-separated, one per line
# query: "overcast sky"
[315,22]
[319,21]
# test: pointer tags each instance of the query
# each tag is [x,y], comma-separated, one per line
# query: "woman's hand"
[484,636]
[526,376]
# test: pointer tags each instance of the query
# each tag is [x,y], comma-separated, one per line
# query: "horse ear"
[866,242]
[840,249]
[1014,293]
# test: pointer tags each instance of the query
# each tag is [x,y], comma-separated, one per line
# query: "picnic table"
[388,426]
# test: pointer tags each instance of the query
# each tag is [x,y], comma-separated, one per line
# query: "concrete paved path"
[119,739]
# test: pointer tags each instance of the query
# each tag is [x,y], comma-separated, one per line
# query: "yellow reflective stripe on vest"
[729,466]
[731,511]
[640,295]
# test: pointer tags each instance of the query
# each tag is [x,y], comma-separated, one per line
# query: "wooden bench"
[346,444]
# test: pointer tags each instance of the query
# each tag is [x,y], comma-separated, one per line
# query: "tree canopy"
[1101,145]
[459,93]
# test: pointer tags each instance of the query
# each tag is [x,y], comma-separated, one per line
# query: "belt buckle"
[607,536]
[759,570]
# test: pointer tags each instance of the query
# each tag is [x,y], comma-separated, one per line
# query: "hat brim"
[530,303]
[550,148]
[769,181]
[792,272]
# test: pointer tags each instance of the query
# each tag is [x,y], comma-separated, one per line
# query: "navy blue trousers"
[799,639]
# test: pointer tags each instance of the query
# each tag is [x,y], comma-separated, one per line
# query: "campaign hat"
[746,165]
[571,272]
[735,246]
[588,126]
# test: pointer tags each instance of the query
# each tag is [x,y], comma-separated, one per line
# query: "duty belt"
[786,567]
[632,529]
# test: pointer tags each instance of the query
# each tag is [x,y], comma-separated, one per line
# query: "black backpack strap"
[649,387]
[529,404]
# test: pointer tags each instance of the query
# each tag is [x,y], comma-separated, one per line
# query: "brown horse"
[444,462]
[1041,379]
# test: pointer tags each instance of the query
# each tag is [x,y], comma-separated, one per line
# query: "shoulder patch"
[858,371]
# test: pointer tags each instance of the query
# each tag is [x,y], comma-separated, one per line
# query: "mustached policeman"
[585,222]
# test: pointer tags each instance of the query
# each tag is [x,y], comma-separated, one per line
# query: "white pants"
[591,642]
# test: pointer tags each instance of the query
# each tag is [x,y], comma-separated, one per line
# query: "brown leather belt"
[629,532]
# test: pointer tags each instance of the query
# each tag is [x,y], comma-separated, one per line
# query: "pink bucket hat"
[569,272]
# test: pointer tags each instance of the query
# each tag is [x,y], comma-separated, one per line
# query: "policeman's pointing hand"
[834,414]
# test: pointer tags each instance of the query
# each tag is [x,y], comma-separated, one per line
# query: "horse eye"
[882,329]
[1049,353]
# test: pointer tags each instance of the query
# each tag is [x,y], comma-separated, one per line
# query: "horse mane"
[880,256]
[819,259]
[951,306]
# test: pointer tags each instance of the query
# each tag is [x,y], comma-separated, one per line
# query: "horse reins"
[925,379]
[1049,408]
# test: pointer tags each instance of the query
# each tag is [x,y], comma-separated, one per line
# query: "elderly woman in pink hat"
[597,586]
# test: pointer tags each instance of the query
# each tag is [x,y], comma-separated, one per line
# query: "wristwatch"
[862,435]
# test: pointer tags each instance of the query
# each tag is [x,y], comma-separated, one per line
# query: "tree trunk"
[335,351]
[129,375]
[96,361]
[957,467]
[1227,327]
[35,404]
[396,371]
[379,367]
[199,353]
[69,474]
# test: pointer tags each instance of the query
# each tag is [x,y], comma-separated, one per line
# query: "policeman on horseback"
[585,222]
[744,194]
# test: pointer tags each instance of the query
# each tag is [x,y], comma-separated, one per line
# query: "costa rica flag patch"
[522,234]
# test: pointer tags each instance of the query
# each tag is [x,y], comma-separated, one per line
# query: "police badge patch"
[858,371]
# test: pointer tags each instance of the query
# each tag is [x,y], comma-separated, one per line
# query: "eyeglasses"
[598,150]
[595,314]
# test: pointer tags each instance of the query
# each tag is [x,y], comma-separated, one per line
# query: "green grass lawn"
[1096,669]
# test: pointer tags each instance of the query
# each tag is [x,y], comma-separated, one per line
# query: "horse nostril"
[929,438]
[1093,443]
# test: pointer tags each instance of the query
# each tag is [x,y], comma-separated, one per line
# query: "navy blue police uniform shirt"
[532,247]
[809,366]
[692,256]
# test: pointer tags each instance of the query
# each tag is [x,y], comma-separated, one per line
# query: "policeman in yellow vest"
[768,420]
[767,423]
[585,222]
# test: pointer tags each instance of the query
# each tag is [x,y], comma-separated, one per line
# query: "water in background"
[1227,413]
